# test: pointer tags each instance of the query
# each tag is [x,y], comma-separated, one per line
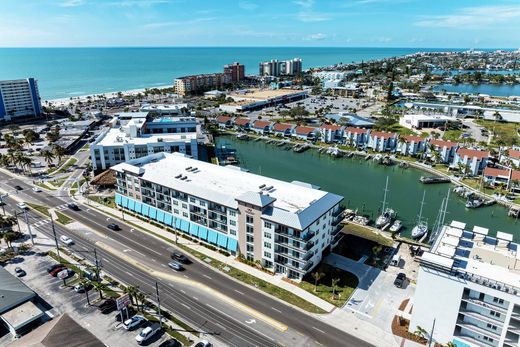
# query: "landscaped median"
[60,217]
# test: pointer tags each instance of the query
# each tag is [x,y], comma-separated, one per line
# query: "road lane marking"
[239,292]
[207,276]
[183,304]
[195,298]
[185,276]
[276,310]
[182,291]
[321,331]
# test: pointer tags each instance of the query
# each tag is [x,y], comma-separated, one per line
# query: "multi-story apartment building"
[198,83]
[469,285]
[19,98]
[166,110]
[236,71]
[284,226]
[136,134]
[279,68]
[472,159]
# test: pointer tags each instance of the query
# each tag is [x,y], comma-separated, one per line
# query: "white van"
[396,259]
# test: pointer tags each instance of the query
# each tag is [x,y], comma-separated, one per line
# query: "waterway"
[362,183]
[490,89]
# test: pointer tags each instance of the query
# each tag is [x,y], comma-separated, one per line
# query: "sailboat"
[388,214]
[421,227]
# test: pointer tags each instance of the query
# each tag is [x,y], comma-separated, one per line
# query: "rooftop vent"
[269,188]
[184,178]
[188,168]
[178,176]
[262,186]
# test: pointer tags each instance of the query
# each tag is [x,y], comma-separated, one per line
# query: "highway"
[202,312]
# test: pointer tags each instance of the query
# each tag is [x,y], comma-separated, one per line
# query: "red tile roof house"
[382,141]
[495,176]
[305,133]
[512,157]
[475,160]
[410,145]
[446,149]
[356,136]
[514,184]
[261,126]
[224,121]
[242,123]
[283,129]
[331,133]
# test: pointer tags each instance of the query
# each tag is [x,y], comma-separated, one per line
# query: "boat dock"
[433,179]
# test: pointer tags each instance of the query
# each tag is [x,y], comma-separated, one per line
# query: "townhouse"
[411,145]
[305,133]
[356,136]
[381,141]
[473,160]
[331,133]
[242,123]
[283,129]
[261,126]
[445,149]
[224,122]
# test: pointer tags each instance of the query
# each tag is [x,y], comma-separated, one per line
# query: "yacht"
[421,228]
[396,226]
[388,214]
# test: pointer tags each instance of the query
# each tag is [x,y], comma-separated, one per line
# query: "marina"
[362,182]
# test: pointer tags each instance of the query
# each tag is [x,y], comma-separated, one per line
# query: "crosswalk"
[61,207]
[41,223]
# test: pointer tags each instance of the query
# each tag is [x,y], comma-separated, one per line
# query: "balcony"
[286,233]
[307,266]
[481,317]
[478,330]
[338,211]
[288,243]
[336,230]
[306,237]
[308,255]
[473,341]
[484,304]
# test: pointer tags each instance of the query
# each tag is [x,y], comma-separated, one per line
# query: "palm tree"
[462,168]
[334,286]
[59,152]
[26,162]
[9,237]
[99,287]
[29,137]
[86,284]
[497,116]
[48,156]
[317,277]
[420,332]
[132,292]
[140,296]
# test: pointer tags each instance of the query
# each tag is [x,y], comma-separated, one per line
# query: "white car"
[66,240]
[36,189]
[22,205]
[133,322]
[147,332]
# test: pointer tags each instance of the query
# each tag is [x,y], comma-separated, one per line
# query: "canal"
[362,184]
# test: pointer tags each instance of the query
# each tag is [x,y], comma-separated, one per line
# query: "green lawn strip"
[170,331]
[368,234]
[42,209]
[63,219]
[66,166]
[266,287]
[72,191]
[452,135]
[65,262]
[43,185]
[104,200]
[344,288]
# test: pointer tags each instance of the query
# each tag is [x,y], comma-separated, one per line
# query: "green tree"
[132,292]
[59,152]
[48,156]
[317,277]
[420,332]
[9,237]
[99,287]
[334,285]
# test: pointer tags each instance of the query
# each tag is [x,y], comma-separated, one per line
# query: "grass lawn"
[63,219]
[44,186]
[506,132]
[104,200]
[170,331]
[452,135]
[345,287]
[66,166]
[42,209]
[59,182]
[368,234]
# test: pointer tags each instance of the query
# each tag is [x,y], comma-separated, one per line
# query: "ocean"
[70,72]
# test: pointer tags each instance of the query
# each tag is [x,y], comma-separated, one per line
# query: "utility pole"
[158,302]
[55,238]
[3,204]
[97,265]
[431,334]
[17,223]
[123,213]
[175,228]
[28,226]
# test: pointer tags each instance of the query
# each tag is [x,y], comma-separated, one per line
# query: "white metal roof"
[437,259]
[446,251]
[452,241]
[115,137]
[504,236]
[458,225]
[454,232]
[480,230]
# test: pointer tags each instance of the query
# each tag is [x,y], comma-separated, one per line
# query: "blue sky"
[355,23]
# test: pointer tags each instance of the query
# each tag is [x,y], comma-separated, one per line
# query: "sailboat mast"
[422,204]
[384,196]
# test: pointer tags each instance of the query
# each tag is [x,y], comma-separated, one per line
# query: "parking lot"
[66,300]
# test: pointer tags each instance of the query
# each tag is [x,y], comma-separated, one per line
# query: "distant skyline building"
[236,70]
[280,68]
[19,98]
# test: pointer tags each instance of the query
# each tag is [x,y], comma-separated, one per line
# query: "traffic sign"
[123,301]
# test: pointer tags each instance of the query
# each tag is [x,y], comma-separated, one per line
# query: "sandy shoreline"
[84,98]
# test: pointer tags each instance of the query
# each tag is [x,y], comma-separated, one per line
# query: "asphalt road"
[230,330]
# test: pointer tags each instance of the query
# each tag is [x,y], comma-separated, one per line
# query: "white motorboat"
[396,226]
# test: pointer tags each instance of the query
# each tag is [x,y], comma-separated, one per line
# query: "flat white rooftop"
[223,185]
[115,137]
[162,107]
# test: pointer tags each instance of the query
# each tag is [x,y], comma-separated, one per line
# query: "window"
[175,202]
[232,222]
[249,219]
[498,300]
[491,326]
[267,254]
[202,203]
[175,211]
[250,248]
[184,214]
[267,235]
[494,313]
[267,245]
[232,232]
[232,213]
[192,200]
[250,239]
[184,206]
[267,225]
[249,229]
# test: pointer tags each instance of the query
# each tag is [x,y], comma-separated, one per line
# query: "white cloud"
[72,3]
[138,3]
[306,13]
[316,37]
[472,17]
[248,5]
[157,25]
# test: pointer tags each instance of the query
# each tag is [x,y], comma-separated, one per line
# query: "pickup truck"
[147,333]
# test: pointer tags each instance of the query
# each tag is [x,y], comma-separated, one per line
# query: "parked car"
[73,206]
[176,266]
[22,206]
[37,189]
[66,240]
[19,272]
[55,272]
[147,333]
[17,187]
[180,257]
[107,306]
[171,343]
[203,343]
[82,288]
[133,322]
[67,273]
[400,280]
[54,267]
[113,226]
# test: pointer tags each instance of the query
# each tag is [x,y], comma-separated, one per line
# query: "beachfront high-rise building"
[199,83]
[19,98]
[469,285]
[285,226]
[236,71]
[277,68]
[136,134]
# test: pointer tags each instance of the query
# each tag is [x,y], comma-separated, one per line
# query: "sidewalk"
[228,260]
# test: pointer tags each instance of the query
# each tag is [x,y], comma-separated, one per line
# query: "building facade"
[468,285]
[199,83]
[19,98]
[166,110]
[284,226]
[236,71]
[135,135]
[277,68]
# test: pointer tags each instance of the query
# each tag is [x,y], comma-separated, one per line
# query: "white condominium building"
[136,134]
[19,98]
[285,226]
[469,286]
[166,110]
